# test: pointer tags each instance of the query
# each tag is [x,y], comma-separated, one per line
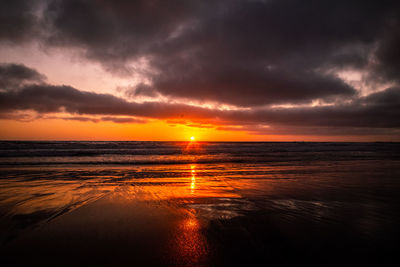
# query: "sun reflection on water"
[191,247]
[193,147]
[193,184]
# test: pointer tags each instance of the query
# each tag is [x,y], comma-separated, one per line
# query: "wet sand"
[341,213]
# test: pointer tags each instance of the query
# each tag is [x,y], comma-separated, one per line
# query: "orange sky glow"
[155,130]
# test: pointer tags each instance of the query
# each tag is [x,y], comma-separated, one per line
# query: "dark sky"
[270,67]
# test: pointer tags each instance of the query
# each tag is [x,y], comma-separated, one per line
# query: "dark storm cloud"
[122,120]
[114,32]
[377,110]
[96,119]
[325,131]
[140,90]
[18,20]
[45,98]
[12,75]
[388,54]
[245,87]
[245,53]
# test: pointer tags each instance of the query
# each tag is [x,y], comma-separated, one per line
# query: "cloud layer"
[378,110]
[253,55]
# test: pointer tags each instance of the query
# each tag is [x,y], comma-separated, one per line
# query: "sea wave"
[142,153]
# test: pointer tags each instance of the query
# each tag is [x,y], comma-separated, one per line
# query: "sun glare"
[192,138]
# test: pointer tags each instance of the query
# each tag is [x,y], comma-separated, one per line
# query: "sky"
[237,70]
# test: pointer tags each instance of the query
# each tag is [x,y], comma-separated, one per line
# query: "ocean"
[199,203]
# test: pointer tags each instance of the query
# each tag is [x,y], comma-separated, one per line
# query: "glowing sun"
[192,138]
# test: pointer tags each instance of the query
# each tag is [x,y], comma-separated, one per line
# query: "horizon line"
[187,141]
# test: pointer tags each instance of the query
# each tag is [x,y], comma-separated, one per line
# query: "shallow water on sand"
[221,204]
